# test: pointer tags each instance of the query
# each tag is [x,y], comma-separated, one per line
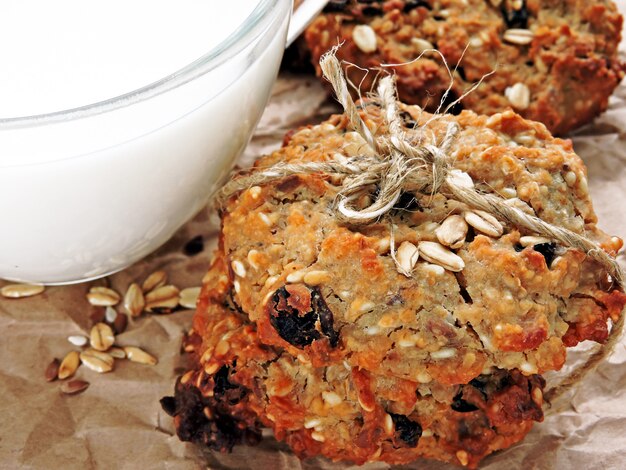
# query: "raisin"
[406,430]
[462,406]
[335,6]
[297,327]
[169,405]
[222,383]
[293,326]
[515,18]
[411,4]
[450,98]
[194,246]
[220,433]
[407,201]
[326,317]
[371,11]
[547,250]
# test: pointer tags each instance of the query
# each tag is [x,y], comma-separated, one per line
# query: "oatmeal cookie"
[555,61]
[306,325]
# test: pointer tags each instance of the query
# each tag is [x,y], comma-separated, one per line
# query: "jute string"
[402,162]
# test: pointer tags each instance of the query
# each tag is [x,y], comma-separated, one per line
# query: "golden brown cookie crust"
[569,68]
[306,326]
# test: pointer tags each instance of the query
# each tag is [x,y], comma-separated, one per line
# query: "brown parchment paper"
[118,424]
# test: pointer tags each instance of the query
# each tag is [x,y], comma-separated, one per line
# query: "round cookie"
[306,325]
[555,61]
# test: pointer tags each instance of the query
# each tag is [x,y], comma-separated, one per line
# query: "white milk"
[87,195]
[63,54]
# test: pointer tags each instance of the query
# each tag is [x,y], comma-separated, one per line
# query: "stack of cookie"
[423,334]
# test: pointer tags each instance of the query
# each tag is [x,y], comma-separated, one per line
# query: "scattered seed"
[570,178]
[518,95]
[110,314]
[120,323]
[463,457]
[162,297]
[331,398]
[117,353]
[460,178]
[311,423]
[18,291]
[154,281]
[134,301]
[97,361]
[438,254]
[537,396]
[238,268]
[74,387]
[452,232]
[365,38]
[519,204]
[532,241]
[444,353]
[221,348]
[138,355]
[407,256]
[315,278]
[189,297]
[484,222]
[101,337]
[69,365]
[52,371]
[421,45]
[519,36]
[102,297]
[319,437]
[78,340]
[295,277]
[527,368]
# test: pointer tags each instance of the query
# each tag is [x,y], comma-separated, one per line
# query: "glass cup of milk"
[118,120]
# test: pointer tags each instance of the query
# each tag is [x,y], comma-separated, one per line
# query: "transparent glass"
[90,190]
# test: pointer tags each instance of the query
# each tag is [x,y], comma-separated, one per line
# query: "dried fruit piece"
[98,361]
[120,323]
[69,365]
[295,312]
[154,280]
[18,291]
[194,246]
[52,371]
[101,337]
[74,387]
[134,301]
[135,354]
[406,430]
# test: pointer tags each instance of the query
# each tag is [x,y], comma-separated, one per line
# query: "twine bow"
[402,165]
